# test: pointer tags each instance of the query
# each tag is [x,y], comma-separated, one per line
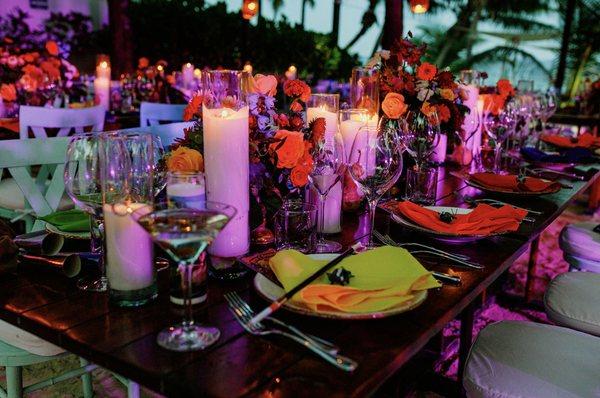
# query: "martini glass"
[184,233]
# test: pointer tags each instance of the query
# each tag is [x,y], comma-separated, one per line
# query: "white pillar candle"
[226,163]
[471,117]
[476,143]
[192,195]
[187,74]
[102,85]
[439,152]
[129,254]
[348,129]
[331,118]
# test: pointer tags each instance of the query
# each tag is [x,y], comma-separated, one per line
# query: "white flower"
[424,94]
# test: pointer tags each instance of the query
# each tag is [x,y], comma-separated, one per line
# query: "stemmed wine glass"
[375,164]
[546,106]
[420,135]
[184,233]
[83,184]
[328,170]
[499,126]
[470,127]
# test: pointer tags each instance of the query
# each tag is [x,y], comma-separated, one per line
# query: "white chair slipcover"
[581,246]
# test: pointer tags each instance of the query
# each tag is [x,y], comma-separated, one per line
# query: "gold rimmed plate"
[270,291]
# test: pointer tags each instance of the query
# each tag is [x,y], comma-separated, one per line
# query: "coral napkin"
[384,278]
[482,220]
[583,141]
[511,183]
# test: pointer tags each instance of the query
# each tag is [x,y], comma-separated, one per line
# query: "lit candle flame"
[104,64]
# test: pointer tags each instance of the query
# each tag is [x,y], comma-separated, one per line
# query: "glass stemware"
[328,170]
[499,126]
[420,135]
[546,106]
[375,164]
[83,184]
[185,233]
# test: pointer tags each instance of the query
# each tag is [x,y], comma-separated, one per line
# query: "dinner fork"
[379,236]
[540,170]
[470,200]
[389,241]
[243,306]
[337,360]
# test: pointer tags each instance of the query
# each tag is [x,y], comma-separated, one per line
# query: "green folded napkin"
[69,220]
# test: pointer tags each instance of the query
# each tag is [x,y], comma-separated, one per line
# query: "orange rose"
[447,94]
[192,108]
[8,92]
[393,105]
[493,103]
[505,88]
[443,113]
[426,71]
[289,148]
[297,88]
[185,159]
[299,176]
[264,84]
[52,47]
[431,112]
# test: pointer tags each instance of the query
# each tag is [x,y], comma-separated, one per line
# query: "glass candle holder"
[127,193]
[421,185]
[296,226]
[226,161]
[325,106]
[364,90]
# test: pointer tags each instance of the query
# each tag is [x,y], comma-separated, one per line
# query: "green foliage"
[211,36]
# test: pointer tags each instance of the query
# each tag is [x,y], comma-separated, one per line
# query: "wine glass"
[420,135]
[327,172]
[83,185]
[137,148]
[499,126]
[547,104]
[469,128]
[185,233]
[375,164]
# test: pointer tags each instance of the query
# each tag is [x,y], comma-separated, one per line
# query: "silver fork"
[336,360]
[389,241]
[469,199]
[379,236]
[249,312]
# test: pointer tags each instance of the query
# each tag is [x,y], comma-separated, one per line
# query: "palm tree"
[393,23]
[368,19]
[310,3]
[335,26]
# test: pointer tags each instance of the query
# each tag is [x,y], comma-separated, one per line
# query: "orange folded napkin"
[11,124]
[482,220]
[511,182]
[583,141]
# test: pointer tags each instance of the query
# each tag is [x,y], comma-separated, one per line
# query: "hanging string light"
[419,6]
[249,9]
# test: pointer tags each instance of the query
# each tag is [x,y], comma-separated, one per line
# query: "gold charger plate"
[271,292]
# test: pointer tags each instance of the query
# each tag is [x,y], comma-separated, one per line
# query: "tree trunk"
[335,29]
[259,9]
[303,14]
[392,26]
[121,34]
[564,48]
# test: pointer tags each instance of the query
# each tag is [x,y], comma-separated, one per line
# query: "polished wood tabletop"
[123,340]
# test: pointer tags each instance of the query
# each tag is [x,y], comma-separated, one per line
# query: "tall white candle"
[348,129]
[471,117]
[192,195]
[331,118]
[102,85]
[476,146]
[129,254]
[226,162]
[187,73]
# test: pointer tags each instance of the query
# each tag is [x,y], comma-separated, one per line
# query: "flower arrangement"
[409,84]
[280,143]
[495,97]
[33,77]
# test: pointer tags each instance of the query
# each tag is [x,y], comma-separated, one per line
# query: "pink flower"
[265,85]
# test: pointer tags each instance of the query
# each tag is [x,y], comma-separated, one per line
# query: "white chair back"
[17,156]
[166,132]
[66,120]
[152,114]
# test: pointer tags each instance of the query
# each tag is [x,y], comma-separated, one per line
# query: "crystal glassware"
[421,185]
[375,164]
[364,90]
[419,135]
[83,185]
[499,126]
[185,233]
[295,226]
[327,172]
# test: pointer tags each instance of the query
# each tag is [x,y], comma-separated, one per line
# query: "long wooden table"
[124,340]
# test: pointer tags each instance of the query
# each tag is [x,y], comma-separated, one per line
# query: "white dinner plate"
[271,292]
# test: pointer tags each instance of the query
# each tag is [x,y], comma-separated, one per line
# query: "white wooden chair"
[22,196]
[167,132]
[38,119]
[154,113]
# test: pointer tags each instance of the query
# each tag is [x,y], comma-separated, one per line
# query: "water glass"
[296,226]
[421,185]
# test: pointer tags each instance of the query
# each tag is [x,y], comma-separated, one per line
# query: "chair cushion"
[526,359]
[12,198]
[583,264]
[16,343]
[580,240]
[573,300]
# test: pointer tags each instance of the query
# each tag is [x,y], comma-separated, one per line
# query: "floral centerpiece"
[418,93]
[33,77]
[281,143]
[495,97]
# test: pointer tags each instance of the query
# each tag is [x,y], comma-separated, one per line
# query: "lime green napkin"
[69,220]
